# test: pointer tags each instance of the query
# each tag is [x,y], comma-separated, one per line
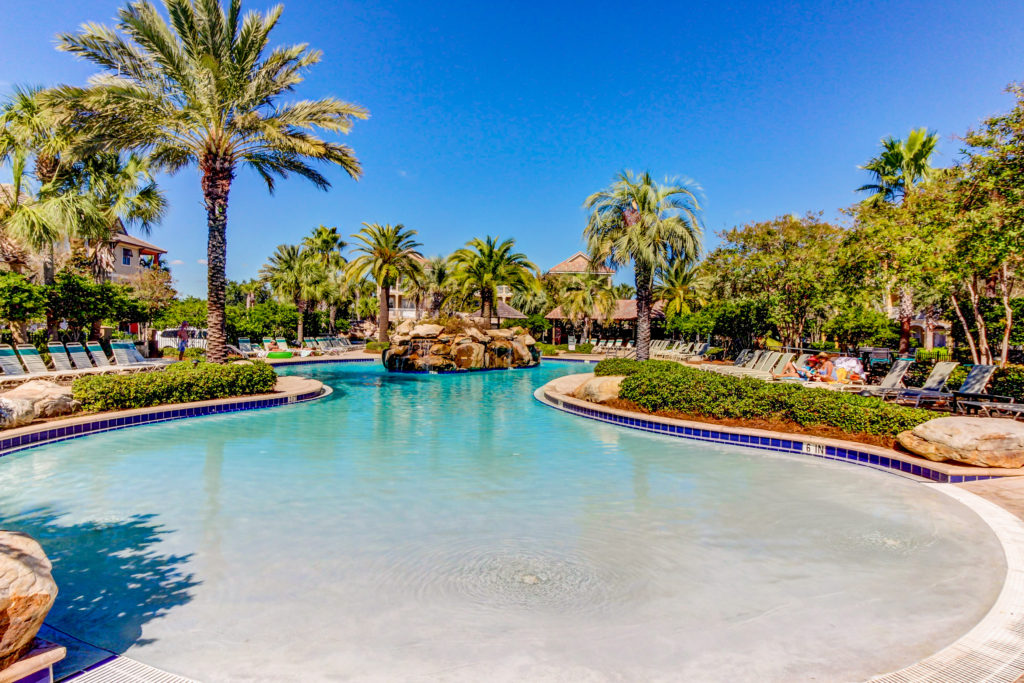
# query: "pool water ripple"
[450,527]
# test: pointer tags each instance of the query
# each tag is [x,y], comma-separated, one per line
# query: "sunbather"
[798,371]
[825,371]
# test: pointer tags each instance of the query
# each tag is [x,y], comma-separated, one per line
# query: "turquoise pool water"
[452,528]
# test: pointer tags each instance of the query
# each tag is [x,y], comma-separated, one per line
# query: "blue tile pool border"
[113,421]
[320,360]
[792,444]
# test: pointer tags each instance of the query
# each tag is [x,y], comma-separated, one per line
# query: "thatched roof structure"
[625,311]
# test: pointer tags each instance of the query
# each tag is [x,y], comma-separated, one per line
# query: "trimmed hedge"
[554,350]
[627,366]
[661,385]
[179,383]
[377,345]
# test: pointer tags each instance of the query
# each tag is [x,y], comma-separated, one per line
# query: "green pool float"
[279,354]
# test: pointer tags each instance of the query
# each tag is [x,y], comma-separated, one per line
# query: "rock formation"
[27,592]
[599,389]
[47,398]
[427,347]
[982,441]
[15,412]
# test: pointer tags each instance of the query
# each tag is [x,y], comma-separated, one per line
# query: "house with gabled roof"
[578,264]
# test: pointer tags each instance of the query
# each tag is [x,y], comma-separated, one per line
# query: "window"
[126,257]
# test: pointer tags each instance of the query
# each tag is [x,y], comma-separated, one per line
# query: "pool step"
[126,670]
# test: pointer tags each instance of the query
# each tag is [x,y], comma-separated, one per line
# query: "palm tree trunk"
[218,173]
[485,305]
[644,282]
[382,314]
[435,304]
[906,316]
[301,305]
[332,316]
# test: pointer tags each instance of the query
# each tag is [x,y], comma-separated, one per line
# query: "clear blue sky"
[495,118]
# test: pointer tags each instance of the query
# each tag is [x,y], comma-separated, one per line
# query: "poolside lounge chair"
[282,343]
[247,349]
[99,356]
[13,371]
[80,358]
[988,405]
[975,382]
[62,361]
[936,381]
[125,357]
[890,384]
[756,361]
[31,359]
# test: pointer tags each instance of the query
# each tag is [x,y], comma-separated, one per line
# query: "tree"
[676,286]
[900,166]
[990,245]
[436,285]
[624,290]
[296,276]
[585,298]
[203,91]
[325,246]
[387,253]
[786,263]
[896,172]
[484,264]
[20,301]
[638,221]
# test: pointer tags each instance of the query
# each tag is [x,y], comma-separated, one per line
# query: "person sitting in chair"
[798,372]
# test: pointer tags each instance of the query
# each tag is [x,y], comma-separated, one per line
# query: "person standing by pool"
[182,339]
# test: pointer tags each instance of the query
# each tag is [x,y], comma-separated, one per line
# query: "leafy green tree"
[387,253]
[20,302]
[484,264]
[640,222]
[203,90]
[191,310]
[786,262]
[436,285]
[855,325]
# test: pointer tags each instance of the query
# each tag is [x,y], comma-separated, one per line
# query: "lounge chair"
[988,405]
[755,362]
[935,382]
[31,359]
[125,357]
[776,362]
[247,349]
[80,359]
[13,370]
[99,356]
[975,382]
[62,361]
[282,343]
[890,384]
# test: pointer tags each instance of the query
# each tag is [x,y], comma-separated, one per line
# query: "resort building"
[578,264]
[132,255]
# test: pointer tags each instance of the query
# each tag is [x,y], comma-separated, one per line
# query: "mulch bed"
[769,425]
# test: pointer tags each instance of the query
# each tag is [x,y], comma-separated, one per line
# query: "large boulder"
[499,354]
[426,331]
[47,399]
[440,349]
[521,355]
[570,383]
[981,441]
[526,339]
[477,336]
[599,389]
[405,327]
[27,592]
[500,334]
[469,355]
[15,412]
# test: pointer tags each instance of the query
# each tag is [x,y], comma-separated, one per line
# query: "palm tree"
[586,297]
[649,224]
[387,253]
[203,90]
[624,290]
[436,284]
[325,245]
[676,286]
[296,276]
[896,171]
[482,265]
[533,301]
[251,289]
[901,165]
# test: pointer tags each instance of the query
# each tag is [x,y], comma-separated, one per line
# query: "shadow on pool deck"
[110,582]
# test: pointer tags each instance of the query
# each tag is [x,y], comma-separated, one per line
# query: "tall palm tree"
[295,276]
[436,285]
[676,286]
[585,298]
[896,171]
[901,165]
[387,253]
[636,220]
[534,301]
[203,90]
[483,264]
[325,245]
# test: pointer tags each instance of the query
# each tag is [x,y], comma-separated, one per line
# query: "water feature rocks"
[428,348]
[15,412]
[981,441]
[27,592]
[426,331]
[405,328]
[599,389]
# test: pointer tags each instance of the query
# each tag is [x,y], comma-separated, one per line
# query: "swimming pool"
[450,527]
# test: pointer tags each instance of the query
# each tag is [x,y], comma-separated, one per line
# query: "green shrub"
[662,385]
[1009,381]
[554,350]
[191,353]
[377,345]
[627,366]
[179,383]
